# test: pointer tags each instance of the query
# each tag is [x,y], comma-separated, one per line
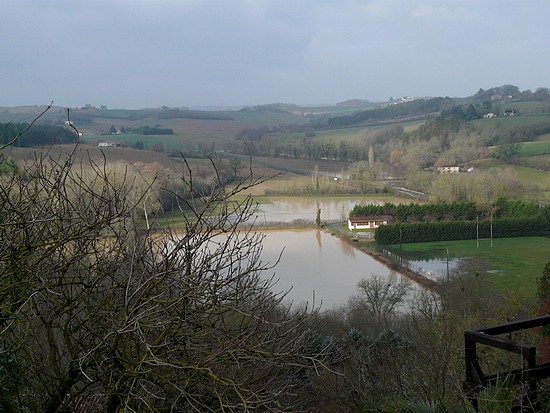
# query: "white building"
[367,222]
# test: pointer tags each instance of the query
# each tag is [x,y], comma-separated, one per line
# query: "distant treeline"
[523,133]
[148,130]
[506,92]
[191,114]
[256,134]
[35,136]
[89,116]
[394,111]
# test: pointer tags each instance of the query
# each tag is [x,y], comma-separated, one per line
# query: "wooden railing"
[526,377]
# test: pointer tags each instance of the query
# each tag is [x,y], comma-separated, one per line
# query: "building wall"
[353,226]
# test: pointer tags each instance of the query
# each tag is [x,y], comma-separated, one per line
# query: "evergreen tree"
[318,218]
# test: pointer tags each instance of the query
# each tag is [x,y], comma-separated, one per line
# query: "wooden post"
[530,400]
[471,357]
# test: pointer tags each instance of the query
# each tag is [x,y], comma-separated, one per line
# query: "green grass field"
[504,123]
[169,141]
[539,147]
[534,148]
[514,263]
[530,176]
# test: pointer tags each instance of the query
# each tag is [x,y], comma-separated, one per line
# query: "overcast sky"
[148,53]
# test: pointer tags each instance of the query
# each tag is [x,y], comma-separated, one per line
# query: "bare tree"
[377,302]
[98,308]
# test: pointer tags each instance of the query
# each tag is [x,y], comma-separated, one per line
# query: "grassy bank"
[514,263]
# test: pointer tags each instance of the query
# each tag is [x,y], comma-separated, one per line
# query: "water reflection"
[349,249]
[317,267]
[294,209]
[318,238]
[436,269]
[435,264]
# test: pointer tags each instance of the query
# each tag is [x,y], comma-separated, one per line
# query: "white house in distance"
[367,222]
[448,169]
[103,144]
[454,169]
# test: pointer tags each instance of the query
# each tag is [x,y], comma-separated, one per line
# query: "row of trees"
[419,212]
[502,207]
[511,92]
[37,135]
[263,141]
[461,230]
[524,133]
[151,130]
[191,114]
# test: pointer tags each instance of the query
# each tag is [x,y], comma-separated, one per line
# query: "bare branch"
[21,133]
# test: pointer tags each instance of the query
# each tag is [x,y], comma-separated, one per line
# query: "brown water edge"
[392,265]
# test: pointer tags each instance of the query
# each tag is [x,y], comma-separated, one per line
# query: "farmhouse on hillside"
[103,144]
[367,222]
[454,169]
[448,169]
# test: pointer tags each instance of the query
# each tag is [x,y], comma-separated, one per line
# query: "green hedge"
[456,211]
[420,212]
[460,230]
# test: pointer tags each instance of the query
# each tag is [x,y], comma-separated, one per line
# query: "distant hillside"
[191,114]
[326,131]
[420,107]
[417,107]
[353,102]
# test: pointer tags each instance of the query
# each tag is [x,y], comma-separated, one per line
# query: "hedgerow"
[461,230]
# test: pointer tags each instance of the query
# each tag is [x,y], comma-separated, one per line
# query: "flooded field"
[304,209]
[318,268]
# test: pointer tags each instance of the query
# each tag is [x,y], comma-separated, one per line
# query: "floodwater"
[435,269]
[434,265]
[284,210]
[318,268]
[304,209]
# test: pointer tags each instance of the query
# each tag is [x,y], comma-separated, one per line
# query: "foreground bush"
[98,312]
